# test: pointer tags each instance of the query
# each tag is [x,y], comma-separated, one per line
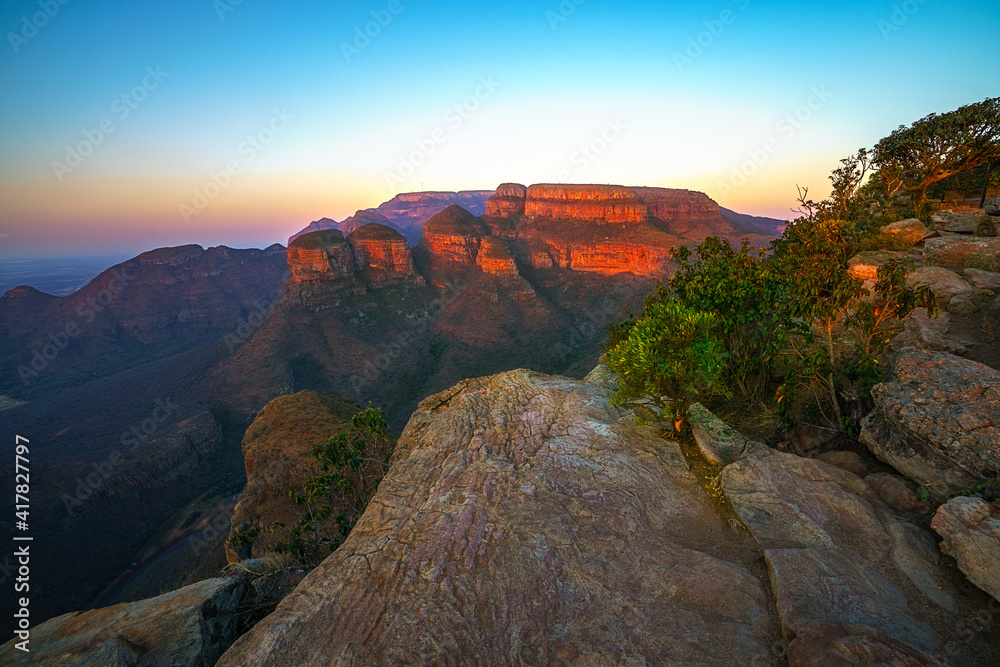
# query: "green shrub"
[353,464]
[670,357]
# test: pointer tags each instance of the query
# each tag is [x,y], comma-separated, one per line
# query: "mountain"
[406,212]
[761,225]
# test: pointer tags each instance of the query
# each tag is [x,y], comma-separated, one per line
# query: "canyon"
[418,293]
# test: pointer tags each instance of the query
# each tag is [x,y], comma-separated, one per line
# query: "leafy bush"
[353,464]
[670,357]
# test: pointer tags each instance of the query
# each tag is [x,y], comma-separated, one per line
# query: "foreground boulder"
[526,521]
[190,627]
[936,420]
[970,530]
[911,230]
[963,253]
[837,555]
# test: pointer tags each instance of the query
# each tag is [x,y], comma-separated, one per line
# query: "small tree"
[671,356]
[938,146]
[353,464]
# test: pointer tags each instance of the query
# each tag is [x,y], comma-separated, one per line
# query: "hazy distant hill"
[406,212]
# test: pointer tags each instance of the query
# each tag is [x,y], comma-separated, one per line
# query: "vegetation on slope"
[785,330]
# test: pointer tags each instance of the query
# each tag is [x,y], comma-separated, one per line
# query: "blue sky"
[536,84]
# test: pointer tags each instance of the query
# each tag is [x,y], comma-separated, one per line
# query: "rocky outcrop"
[983,279]
[276,455]
[609,257]
[380,248]
[949,221]
[936,420]
[495,259]
[963,253]
[717,441]
[911,231]
[190,627]
[832,645]
[592,203]
[993,206]
[838,556]
[453,237]
[970,533]
[945,283]
[508,200]
[525,521]
[320,256]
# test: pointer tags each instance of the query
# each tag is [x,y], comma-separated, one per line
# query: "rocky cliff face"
[453,236]
[327,256]
[494,258]
[610,257]
[275,451]
[381,248]
[319,256]
[507,201]
[525,520]
[596,203]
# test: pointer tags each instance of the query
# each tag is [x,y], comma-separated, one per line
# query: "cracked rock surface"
[526,521]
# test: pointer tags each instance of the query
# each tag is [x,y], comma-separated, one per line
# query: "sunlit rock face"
[607,203]
[509,200]
[319,256]
[454,236]
[381,248]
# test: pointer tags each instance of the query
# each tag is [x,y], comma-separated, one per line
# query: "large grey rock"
[828,586]
[912,230]
[993,206]
[929,333]
[983,279]
[789,502]
[963,253]
[936,420]
[831,645]
[970,532]
[955,222]
[944,282]
[189,627]
[970,302]
[719,443]
[525,520]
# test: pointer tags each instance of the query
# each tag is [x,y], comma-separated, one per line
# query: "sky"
[130,126]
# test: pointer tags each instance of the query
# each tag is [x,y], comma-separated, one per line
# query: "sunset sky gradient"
[534,84]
